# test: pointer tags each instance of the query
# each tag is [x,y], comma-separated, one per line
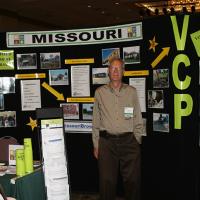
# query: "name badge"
[128,112]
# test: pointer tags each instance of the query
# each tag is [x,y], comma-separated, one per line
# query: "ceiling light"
[176,4]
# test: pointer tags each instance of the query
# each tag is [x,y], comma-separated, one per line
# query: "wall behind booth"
[169,152]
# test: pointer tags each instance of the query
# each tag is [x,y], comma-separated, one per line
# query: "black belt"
[106,134]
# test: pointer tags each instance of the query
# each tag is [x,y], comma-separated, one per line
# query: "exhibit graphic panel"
[63,68]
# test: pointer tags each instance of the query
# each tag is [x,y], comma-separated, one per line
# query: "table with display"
[28,187]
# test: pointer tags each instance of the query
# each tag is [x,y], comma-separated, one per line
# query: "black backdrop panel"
[169,160]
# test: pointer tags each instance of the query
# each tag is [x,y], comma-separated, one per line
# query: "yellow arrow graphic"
[59,96]
[165,52]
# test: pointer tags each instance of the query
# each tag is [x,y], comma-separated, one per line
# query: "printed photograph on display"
[155,99]
[131,54]
[109,54]
[161,122]
[100,76]
[50,60]
[27,61]
[52,123]
[131,31]
[12,153]
[8,119]
[8,85]
[7,60]
[18,39]
[70,110]
[1,102]
[161,78]
[87,110]
[58,77]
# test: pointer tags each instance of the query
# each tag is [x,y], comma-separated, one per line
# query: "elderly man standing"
[117,130]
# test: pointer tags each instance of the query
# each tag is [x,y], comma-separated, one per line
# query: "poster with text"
[139,84]
[30,94]
[80,81]
[6,60]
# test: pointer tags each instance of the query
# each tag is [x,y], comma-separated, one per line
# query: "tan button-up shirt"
[109,112]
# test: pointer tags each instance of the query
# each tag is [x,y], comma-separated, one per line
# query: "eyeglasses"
[116,68]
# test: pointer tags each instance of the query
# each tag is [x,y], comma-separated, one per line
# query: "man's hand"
[96,152]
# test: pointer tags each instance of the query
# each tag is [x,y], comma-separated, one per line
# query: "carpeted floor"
[76,196]
[84,197]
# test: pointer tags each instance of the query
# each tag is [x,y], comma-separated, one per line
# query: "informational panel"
[163,67]
[55,166]
[30,94]
[53,153]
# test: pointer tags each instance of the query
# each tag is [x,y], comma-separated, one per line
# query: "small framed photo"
[8,119]
[50,60]
[1,102]
[12,153]
[131,31]
[1,120]
[100,76]
[161,122]
[109,54]
[8,85]
[155,99]
[70,110]
[7,60]
[131,54]
[58,77]
[87,111]
[161,78]
[27,61]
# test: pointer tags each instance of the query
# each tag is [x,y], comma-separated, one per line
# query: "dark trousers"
[119,154]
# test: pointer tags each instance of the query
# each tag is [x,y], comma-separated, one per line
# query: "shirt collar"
[123,86]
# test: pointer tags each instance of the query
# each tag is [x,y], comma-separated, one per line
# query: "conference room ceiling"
[65,14]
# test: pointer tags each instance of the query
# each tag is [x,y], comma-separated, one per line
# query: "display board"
[64,68]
